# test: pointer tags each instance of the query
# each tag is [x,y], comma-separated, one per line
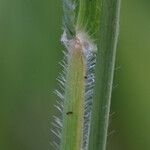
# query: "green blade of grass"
[104,74]
[81,15]
[89,17]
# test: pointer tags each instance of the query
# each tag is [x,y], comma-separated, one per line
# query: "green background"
[30,51]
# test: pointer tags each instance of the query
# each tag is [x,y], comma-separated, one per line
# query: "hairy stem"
[74,99]
[82,36]
[81,22]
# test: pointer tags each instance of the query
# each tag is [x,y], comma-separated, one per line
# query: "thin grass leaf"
[104,74]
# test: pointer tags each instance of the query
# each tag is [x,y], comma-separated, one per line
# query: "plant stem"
[81,22]
[104,74]
[73,114]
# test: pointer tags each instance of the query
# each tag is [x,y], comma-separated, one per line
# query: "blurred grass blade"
[104,74]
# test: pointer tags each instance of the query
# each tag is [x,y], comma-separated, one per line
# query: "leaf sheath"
[104,74]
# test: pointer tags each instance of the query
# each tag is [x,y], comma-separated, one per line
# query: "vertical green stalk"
[81,24]
[74,100]
[104,74]
[88,25]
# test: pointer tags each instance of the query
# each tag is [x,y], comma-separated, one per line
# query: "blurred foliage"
[29,39]
[29,54]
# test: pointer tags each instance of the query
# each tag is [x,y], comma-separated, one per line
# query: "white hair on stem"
[89,51]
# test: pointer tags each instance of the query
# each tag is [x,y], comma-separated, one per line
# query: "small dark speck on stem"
[69,113]
[85,77]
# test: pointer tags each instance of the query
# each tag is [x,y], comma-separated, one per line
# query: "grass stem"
[73,113]
[104,74]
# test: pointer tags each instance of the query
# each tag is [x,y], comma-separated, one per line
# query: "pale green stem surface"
[104,74]
[79,16]
[74,101]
